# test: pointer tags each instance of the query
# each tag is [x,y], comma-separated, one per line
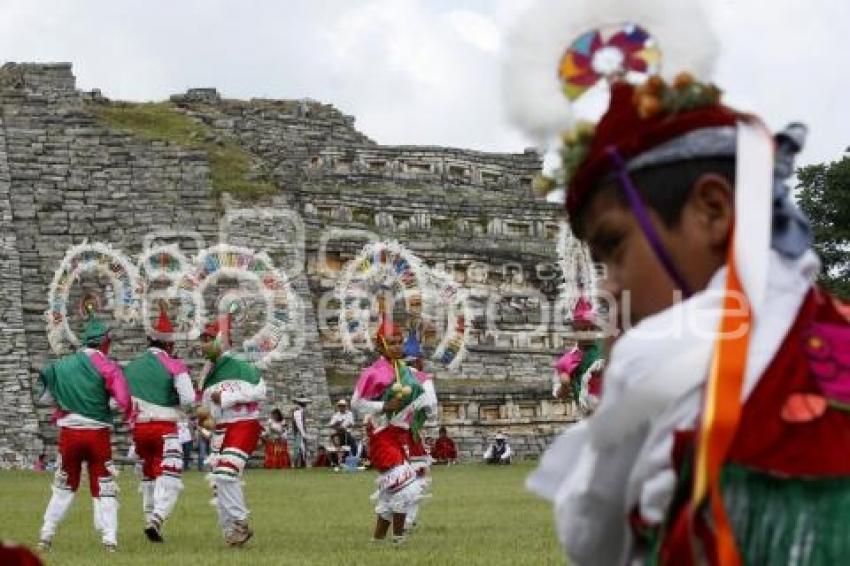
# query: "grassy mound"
[230,165]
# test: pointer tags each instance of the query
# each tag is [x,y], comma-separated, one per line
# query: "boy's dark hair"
[664,188]
[276,414]
[154,343]
[96,342]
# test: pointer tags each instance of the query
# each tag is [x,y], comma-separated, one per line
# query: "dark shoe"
[153,530]
[239,534]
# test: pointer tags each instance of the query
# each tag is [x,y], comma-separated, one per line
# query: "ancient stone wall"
[18,421]
[65,177]
[73,180]
[474,414]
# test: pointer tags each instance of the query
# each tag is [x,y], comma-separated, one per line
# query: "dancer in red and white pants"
[161,386]
[82,385]
[232,391]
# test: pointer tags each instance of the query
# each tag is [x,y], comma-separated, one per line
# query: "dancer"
[578,375]
[81,386]
[414,446]
[161,386]
[723,425]
[389,395]
[232,391]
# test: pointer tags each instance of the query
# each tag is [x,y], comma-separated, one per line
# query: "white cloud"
[788,62]
[477,29]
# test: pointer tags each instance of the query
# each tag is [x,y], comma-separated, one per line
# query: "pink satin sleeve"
[116,384]
[173,365]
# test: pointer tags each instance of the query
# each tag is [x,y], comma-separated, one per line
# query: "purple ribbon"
[645,223]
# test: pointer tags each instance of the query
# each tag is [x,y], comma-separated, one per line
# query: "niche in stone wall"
[376,166]
[402,222]
[342,165]
[333,263]
[512,273]
[362,215]
[488,413]
[515,229]
[561,408]
[441,224]
[418,167]
[527,410]
[477,272]
[324,211]
[459,172]
[489,177]
[450,412]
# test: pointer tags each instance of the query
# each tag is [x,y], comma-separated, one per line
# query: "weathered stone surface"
[65,178]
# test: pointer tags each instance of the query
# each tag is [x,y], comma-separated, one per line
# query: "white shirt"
[240,401]
[298,417]
[491,449]
[344,420]
[598,470]
[183,432]
[402,419]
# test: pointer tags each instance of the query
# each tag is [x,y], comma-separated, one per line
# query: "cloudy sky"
[411,71]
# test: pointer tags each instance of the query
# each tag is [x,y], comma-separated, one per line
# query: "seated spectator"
[342,422]
[444,449]
[428,444]
[360,453]
[343,418]
[499,452]
[322,460]
[337,451]
[40,465]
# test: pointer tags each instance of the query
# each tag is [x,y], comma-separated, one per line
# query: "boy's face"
[696,244]
[210,347]
[391,346]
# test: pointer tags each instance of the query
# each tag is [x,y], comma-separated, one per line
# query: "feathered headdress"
[95,331]
[562,56]
[164,328]
[221,327]
[386,328]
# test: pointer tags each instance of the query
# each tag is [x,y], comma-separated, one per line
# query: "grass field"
[478,515]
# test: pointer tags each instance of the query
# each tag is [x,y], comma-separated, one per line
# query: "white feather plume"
[534,98]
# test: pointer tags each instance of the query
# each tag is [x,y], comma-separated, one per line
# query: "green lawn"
[478,515]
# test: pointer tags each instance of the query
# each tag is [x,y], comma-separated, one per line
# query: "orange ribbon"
[722,410]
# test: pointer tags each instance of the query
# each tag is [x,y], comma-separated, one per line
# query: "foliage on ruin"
[231,167]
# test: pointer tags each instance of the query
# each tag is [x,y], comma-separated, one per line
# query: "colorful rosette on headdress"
[559,52]
[626,51]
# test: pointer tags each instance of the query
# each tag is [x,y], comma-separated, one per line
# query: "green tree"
[824,195]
